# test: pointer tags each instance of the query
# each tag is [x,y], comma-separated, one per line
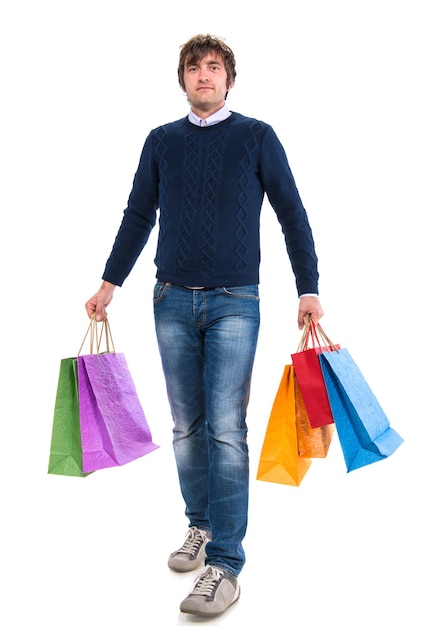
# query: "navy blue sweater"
[208,185]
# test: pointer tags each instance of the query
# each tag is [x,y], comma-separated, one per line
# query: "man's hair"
[199,47]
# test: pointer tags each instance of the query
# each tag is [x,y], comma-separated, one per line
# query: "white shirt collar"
[215,118]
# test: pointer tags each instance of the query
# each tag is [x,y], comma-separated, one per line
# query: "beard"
[212,100]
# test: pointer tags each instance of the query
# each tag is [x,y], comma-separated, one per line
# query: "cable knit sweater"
[208,185]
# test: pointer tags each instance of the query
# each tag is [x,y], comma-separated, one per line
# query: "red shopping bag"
[309,374]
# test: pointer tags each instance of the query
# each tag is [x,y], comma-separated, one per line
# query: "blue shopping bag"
[362,427]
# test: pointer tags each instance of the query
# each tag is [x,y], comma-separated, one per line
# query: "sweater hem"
[221,280]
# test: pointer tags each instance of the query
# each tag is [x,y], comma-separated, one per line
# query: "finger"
[90,308]
[100,313]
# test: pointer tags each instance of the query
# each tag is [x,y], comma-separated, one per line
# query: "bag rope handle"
[314,332]
[95,340]
[324,336]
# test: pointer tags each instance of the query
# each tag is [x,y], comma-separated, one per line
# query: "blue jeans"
[207,342]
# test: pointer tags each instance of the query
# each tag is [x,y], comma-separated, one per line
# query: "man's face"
[206,85]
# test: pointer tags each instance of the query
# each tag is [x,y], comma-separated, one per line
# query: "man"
[207,174]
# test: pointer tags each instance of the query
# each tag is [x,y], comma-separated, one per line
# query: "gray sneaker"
[215,590]
[192,554]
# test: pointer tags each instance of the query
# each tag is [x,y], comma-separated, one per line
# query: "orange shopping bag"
[313,443]
[280,461]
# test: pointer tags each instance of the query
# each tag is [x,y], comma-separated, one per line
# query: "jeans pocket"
[159,291]
[244,291]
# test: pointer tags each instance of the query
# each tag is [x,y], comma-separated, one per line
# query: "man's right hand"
[98,303]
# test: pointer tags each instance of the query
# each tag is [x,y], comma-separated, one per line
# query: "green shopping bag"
[65,449]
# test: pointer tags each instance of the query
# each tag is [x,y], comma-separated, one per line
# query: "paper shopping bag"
[363,429]
[309,374]
[65,456]
[279,459]
[313,443]
[114,429]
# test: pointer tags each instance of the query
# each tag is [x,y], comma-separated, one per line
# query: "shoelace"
[193,541]
[207,581]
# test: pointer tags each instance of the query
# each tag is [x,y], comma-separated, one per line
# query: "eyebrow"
[190,63]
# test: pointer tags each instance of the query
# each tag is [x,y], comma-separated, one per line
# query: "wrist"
[107,287]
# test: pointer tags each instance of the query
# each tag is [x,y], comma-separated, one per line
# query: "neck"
[205,113]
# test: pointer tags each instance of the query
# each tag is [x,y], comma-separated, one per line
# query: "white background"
[351,88]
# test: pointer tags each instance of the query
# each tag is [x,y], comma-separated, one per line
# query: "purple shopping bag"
[114,429]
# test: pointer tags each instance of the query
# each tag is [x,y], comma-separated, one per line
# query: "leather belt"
[200,288]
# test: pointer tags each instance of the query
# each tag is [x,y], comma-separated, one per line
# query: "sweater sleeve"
[138,220]
[283,195]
